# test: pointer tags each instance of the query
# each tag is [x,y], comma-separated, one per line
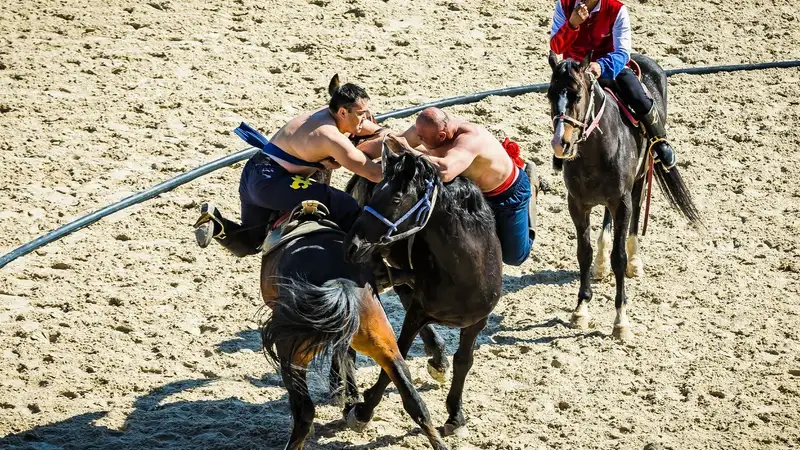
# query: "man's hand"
[595,69]
[579,15]
[330,163]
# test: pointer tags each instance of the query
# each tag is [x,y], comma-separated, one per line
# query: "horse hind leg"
[294,378]
[343,389]
[635,268]
[602,262]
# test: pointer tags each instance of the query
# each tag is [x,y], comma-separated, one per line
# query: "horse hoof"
[452,430]
[600,271]
[635,269]
[354,424]
[579,322]
[439,375]
[623,333]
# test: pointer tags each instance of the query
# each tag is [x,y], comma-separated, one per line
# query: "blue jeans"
[511,217]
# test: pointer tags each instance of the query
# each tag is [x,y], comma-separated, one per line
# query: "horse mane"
[461,200]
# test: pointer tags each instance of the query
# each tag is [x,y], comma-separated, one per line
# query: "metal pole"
[400,113]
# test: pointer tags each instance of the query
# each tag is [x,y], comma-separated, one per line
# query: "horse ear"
[585,63]
[553,60]
[334,84]
[409,166]
[386,155]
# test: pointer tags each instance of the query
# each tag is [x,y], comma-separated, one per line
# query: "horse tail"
[310,320]
[678,195]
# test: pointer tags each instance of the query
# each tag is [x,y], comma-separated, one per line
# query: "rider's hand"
[595,69]
[579,15]
[330,163]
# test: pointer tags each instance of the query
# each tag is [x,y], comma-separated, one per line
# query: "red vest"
[595,34]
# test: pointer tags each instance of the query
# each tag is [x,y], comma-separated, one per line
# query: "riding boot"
[530,171]
[209,225]
[658,138]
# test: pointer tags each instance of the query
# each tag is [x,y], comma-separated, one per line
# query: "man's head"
[349,105]
[433,127]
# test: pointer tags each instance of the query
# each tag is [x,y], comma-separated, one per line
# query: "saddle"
[308,217]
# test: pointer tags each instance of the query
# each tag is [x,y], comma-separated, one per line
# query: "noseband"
[423,207]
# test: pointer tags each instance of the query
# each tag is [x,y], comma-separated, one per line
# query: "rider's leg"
[632,93]
[241,240]
[271,187]
[533,180]
[512,218]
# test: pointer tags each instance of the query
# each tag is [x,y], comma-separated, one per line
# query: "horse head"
[401,203]
[570,100]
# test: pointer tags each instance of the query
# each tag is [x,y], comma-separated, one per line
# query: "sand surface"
[126,335]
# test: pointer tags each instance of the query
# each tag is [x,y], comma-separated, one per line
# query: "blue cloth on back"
[258,140]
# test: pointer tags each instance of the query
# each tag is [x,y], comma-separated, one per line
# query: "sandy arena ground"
[126,335]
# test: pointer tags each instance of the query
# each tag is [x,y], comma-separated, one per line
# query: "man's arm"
[613,63]
[562,35]
[355,160]
[411,137]
[453,164]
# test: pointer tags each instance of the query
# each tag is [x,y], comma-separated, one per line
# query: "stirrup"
[208,218]
[656,159]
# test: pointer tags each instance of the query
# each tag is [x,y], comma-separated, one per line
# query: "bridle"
[585,126]
[423,209]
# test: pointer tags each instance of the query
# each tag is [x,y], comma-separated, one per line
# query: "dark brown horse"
[323,305]
[455,256]
[605,164]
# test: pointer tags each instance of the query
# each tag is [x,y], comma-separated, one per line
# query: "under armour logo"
[299,182]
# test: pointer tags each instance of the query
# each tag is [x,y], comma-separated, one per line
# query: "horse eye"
[396,198]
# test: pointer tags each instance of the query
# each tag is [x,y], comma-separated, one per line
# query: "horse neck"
[442,235]
[610,120]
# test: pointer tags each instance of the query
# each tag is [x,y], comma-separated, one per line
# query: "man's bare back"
[316,137]
[458,147]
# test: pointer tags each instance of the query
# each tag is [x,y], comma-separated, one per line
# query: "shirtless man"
[457,147]
[277,177]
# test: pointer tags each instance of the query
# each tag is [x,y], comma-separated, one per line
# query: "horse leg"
[602,263]
[348,394]
[462,362]
[619,261]
[376,340]
[635,264]
[438,364]
[363,412]
[581,218]
[294,378]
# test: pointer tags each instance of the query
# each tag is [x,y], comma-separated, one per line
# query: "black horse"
[455,255]
[322,304]
[608,168]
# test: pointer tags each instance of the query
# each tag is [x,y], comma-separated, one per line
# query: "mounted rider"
[278,177]
[602,28]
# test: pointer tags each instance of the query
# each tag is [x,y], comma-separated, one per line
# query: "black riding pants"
[631,92]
